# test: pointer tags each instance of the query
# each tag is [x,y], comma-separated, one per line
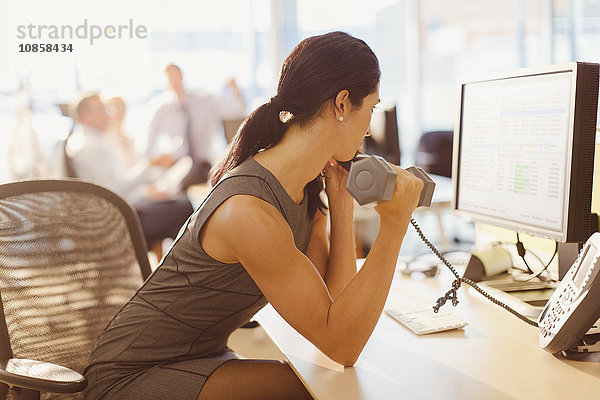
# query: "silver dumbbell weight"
[372,179]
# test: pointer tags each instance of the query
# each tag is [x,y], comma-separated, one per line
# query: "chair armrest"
[42,376]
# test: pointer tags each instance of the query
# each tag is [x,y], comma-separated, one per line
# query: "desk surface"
[496,356]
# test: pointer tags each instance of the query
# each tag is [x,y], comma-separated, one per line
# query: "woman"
[261,237]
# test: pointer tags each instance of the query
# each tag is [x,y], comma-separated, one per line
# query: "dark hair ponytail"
[316,70]
[261,130]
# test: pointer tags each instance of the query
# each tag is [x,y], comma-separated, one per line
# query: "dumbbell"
[372,179]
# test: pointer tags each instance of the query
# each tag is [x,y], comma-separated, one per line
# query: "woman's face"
[357,124]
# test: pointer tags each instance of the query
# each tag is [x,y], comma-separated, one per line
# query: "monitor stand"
[530,297]
[567,254]
[527,298]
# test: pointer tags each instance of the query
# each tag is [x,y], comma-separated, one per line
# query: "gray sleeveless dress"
[167,340]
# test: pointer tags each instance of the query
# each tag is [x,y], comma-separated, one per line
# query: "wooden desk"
[496,356]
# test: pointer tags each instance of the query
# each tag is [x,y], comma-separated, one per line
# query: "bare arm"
[292,283]
[334,256]
[318,246]
[341,263]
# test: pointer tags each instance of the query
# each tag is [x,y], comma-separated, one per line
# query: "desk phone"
[575,304]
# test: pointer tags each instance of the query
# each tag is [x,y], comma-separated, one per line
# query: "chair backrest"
[434,153]
[230,128]
[71,255]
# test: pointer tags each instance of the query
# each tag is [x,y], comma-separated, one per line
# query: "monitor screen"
[525,149]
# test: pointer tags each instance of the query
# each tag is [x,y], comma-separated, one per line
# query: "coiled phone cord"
[451,294]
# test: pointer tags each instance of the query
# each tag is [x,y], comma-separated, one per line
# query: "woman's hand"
[336,178]
[404,200]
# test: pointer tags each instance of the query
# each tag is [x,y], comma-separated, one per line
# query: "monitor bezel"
[570,231]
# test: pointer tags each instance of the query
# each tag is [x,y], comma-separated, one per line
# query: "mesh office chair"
[71,255]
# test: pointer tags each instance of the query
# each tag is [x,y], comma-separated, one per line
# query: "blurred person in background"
[93,158]
[190,124]
[116,133]
[119,138]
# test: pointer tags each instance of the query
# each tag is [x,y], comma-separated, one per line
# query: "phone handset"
[574,306]
[372,179]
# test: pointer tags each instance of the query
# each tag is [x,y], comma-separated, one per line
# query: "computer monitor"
[523,152]
[384,139]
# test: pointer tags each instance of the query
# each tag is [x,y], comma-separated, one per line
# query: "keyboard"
[424,321]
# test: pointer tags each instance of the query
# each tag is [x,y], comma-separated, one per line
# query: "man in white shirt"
[94,159]
[190,124]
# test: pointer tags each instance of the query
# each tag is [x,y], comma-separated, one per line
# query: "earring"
[341,119]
